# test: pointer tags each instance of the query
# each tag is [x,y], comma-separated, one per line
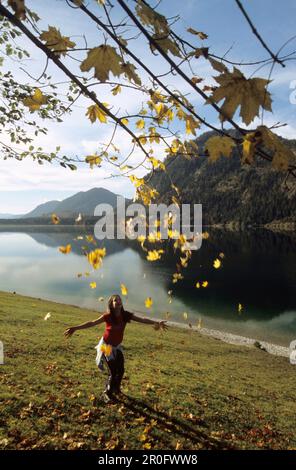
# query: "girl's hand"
[161,325]
[69,332]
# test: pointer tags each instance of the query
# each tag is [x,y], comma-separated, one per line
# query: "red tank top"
[114,329]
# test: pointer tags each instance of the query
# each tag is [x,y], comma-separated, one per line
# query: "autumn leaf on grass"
[238,91]
[219,147]
[35,101]
[217,263]
[104,59]
[94,112]
[92,285]
[47,316]
[148,302]
[55,219]
[56,42]
[124,289]
[65,249]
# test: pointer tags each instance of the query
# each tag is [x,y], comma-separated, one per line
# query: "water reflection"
[258,272]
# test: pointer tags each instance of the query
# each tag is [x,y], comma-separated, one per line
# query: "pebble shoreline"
[230,338]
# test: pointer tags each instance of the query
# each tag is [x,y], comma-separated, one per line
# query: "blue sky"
[25,184]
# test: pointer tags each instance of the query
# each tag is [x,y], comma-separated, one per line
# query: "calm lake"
[258,271]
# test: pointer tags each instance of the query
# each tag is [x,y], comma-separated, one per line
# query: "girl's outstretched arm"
[69,332]
[158,325]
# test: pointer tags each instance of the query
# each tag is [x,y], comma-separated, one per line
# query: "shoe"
[107,398]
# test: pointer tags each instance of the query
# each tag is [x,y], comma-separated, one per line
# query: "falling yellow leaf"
[92,285]
[124,289]
[205,284]
[95,258]
[65,249]
[106,349]
[148,302]
[185,315]
[55,219]
[217,263]
[240,308]
[154,255]
[101,299]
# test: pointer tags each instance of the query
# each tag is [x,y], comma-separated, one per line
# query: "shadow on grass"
[173,424]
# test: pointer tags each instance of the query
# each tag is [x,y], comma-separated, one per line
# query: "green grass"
[183,390]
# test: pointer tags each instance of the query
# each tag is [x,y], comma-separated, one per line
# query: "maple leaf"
[129,71]
[36,101]
[124,289]
[140,124]
[148,302]
[65,249]
[56,42]
[55,219]
[104,59]
[219,147]
[281,154]
[154,255]
[217,263]
[116,90]
[200,34]
[93,160]
[150,17]
[167,45]
[238,91]
[191,124]
[95,257]
[95,112]
[18,7]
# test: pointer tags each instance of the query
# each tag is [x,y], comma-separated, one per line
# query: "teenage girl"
[109,349]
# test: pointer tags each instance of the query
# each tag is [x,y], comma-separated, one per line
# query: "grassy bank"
[183,390]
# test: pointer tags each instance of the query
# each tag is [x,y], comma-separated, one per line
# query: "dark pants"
[116,371]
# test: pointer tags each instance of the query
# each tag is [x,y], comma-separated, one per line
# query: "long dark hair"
[110,309]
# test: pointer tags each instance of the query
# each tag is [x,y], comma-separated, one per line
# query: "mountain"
[229,191]
[83,202]
[42,210]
